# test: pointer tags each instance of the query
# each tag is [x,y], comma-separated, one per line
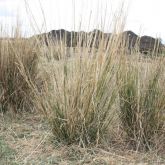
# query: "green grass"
[142,101]
[6,153]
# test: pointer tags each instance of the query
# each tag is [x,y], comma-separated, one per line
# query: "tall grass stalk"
[80,92]
[142,102]
[81,85]
[15,92]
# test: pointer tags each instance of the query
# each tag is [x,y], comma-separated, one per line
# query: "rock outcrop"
[149,44]
[132,41]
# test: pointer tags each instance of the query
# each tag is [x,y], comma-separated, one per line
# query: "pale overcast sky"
[144,16]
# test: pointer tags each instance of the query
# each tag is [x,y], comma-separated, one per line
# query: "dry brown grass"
[79,118]
[33,143]
[81,87]
[15,93]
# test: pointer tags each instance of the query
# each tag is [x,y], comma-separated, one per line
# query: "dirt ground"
[27,139]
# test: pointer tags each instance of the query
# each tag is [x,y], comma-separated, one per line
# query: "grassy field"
[80,105]
[28,140]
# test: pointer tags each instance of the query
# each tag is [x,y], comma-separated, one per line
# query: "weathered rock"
[149,44]
[132,41]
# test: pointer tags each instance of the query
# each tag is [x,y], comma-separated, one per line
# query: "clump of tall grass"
[80,91]
[15,92]
[142,102]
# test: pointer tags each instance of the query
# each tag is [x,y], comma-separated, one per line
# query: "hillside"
[145,44]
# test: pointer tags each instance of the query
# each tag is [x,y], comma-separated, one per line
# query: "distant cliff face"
[78,38]
[149,44]
[144,44]
[130,39]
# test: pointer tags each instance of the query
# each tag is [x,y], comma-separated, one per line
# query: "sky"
[35,16]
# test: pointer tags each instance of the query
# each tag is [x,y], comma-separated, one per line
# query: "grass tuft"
[142,101]
[15,92]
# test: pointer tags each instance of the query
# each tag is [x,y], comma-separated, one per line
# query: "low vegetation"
[15,92]
[89,96]
[6,153]
[142,103]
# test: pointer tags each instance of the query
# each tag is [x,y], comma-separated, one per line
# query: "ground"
[27,139]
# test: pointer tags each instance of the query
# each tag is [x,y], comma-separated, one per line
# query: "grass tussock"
[80,94]
[142,103]
[15,92]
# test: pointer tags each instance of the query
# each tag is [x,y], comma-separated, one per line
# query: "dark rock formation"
[132,41]
[149,44]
